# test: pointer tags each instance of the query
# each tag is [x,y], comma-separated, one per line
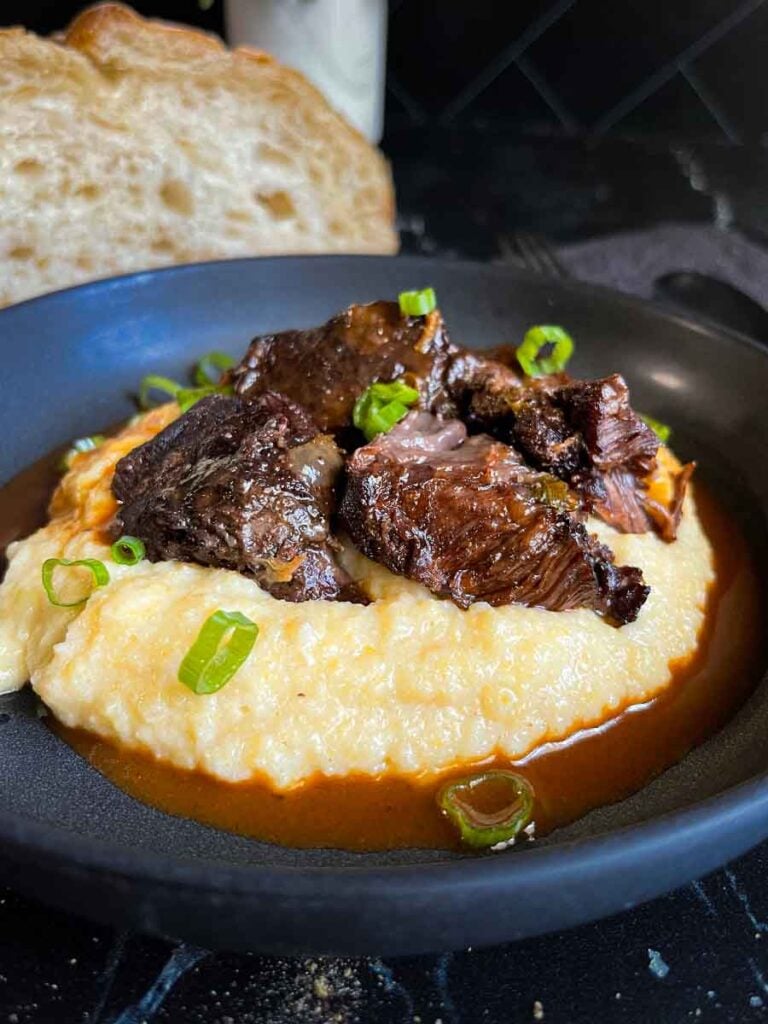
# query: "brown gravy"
[591,768]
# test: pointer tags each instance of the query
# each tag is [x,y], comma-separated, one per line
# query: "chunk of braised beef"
[471,521]
[582,431]
[618,498]
[613,434]
[666,514]
[585,432]
[241,485]
[481,388]
[327,368]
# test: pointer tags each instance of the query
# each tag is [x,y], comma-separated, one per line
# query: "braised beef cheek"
[471,521]
[327,368]
[243,486]
[584,431]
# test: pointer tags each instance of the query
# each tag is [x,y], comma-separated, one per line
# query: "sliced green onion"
[536,340]
[153,382]
[549,490]
[460,800]
[97,569]
[205,370]
[87,444]
[661,430]
[208,664]
[187,397]
[381,420]
[82,444]
[417,303]
[381,406]
[128,550]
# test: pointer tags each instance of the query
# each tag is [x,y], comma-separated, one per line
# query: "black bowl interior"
[71,362]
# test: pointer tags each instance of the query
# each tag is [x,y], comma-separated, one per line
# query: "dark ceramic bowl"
[69,837]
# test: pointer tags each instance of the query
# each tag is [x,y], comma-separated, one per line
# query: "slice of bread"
[128,144]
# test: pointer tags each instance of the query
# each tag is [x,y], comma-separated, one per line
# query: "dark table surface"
[699,953]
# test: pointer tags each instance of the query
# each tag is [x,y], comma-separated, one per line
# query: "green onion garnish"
[153,382]
[87,444]
[381,406]
[207,666]
[488,808]
[187,397]
[205,369]
[417,303]
[98,570]
[82,444]
[661,430]
[128,550]
[538,339]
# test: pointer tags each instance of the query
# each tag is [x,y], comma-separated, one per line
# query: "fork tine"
[537,254]
[529,252]
[557,269]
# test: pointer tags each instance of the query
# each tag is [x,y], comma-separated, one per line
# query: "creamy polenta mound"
[408,684]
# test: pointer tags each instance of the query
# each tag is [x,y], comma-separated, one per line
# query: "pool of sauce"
[592,767]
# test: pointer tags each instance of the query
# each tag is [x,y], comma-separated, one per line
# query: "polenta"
[408,684]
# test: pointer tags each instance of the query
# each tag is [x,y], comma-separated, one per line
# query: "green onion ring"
[661,430]
[82,444]
[481,829]
[537,338]
[207,666]
[381,406]
[154,382]
[187,397]
[87,444]
[98,570]
[128,550]
[417,303]
[205,368]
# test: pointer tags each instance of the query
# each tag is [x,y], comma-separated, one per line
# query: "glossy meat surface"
[471,521]
[327,368]
[585,432]
[243,486]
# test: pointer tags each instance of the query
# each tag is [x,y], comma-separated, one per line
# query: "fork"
[534,252]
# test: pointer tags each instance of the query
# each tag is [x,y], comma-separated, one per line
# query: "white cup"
[340,45]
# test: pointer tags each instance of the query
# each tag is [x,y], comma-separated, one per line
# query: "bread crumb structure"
[131,144]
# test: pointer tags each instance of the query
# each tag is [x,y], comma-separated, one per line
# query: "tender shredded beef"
[326,368]
[242,485]
[471,521]
[613,434]
[480,494]
[666,518]
[585,432]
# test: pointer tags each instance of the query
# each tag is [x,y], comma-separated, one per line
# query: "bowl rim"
[22,835]
[704,325]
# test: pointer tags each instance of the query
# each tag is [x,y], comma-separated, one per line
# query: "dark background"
[694,69]
[596,122]
[573,118]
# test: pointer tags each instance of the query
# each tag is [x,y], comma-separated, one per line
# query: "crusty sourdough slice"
[130,144]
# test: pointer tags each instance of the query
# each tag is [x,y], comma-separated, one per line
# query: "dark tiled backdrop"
[578,118]
[693,69]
